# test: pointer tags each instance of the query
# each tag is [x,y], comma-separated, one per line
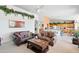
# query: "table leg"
[27,44]
[78,46]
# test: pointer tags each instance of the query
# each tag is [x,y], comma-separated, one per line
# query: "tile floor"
[62,44]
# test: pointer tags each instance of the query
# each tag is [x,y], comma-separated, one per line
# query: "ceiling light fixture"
[39,8]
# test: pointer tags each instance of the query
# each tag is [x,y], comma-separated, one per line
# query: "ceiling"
[30,8]
[53,11]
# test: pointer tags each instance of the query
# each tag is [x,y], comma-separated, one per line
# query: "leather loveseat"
[48,36]
[21,37]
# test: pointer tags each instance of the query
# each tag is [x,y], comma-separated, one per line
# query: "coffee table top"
[41,43]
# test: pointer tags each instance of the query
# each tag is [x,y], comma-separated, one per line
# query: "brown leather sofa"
[21,37]
[0,41]
[48,36]
[75,41]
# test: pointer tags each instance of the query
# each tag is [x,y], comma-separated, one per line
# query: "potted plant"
[76,35]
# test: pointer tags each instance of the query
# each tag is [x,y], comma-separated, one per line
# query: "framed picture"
[16,24]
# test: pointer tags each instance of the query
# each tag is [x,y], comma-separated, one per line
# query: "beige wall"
[46,21]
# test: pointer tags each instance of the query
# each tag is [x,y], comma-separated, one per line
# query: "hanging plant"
[9,11]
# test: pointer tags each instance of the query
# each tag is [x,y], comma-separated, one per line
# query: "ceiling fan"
[37,10]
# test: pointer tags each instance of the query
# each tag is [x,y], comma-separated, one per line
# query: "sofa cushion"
[50,34]
[23,34]
[44,38]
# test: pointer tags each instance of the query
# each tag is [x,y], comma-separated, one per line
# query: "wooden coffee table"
[37,45]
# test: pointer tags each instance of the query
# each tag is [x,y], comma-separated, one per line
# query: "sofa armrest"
[44,38]
[17,36]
